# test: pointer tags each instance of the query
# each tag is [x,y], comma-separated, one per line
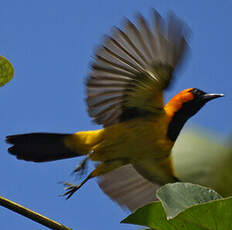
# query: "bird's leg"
[81,168]
[101,169]
[72,188]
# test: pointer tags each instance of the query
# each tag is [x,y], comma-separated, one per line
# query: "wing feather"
[128,188]
[133,67]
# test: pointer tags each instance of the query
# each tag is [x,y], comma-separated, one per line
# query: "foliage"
[203,157]
[185,206]
[6,71]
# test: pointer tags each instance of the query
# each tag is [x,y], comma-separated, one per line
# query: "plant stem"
[32,215]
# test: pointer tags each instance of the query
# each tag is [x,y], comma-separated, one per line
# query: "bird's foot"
[70,189]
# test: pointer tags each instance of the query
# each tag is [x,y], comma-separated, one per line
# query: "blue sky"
[50,43]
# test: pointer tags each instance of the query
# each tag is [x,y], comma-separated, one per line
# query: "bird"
[125,94]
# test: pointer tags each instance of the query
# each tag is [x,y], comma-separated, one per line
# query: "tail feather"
[40,147]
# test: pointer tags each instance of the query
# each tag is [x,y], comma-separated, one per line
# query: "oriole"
[125,94]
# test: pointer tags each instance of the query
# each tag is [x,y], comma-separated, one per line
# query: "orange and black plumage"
[129,75]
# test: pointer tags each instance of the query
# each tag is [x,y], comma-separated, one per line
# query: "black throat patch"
[187,110]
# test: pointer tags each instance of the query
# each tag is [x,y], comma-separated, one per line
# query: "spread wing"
[128,188]
[133,67]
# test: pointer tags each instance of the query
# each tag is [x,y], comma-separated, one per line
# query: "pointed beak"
[210,96]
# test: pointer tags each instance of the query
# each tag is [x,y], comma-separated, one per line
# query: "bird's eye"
[197,92]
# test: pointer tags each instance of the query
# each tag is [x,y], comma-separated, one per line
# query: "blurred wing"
[128,188]
[132,68]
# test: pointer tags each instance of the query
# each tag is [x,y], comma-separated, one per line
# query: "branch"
[32,215]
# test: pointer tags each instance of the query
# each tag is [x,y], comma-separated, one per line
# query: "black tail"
[39,147]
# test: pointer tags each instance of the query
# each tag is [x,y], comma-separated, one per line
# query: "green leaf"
[177,197]
[201,156]
[6,71]
[194,214]
[151,215]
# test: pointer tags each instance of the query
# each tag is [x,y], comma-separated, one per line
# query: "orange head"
[184,105]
